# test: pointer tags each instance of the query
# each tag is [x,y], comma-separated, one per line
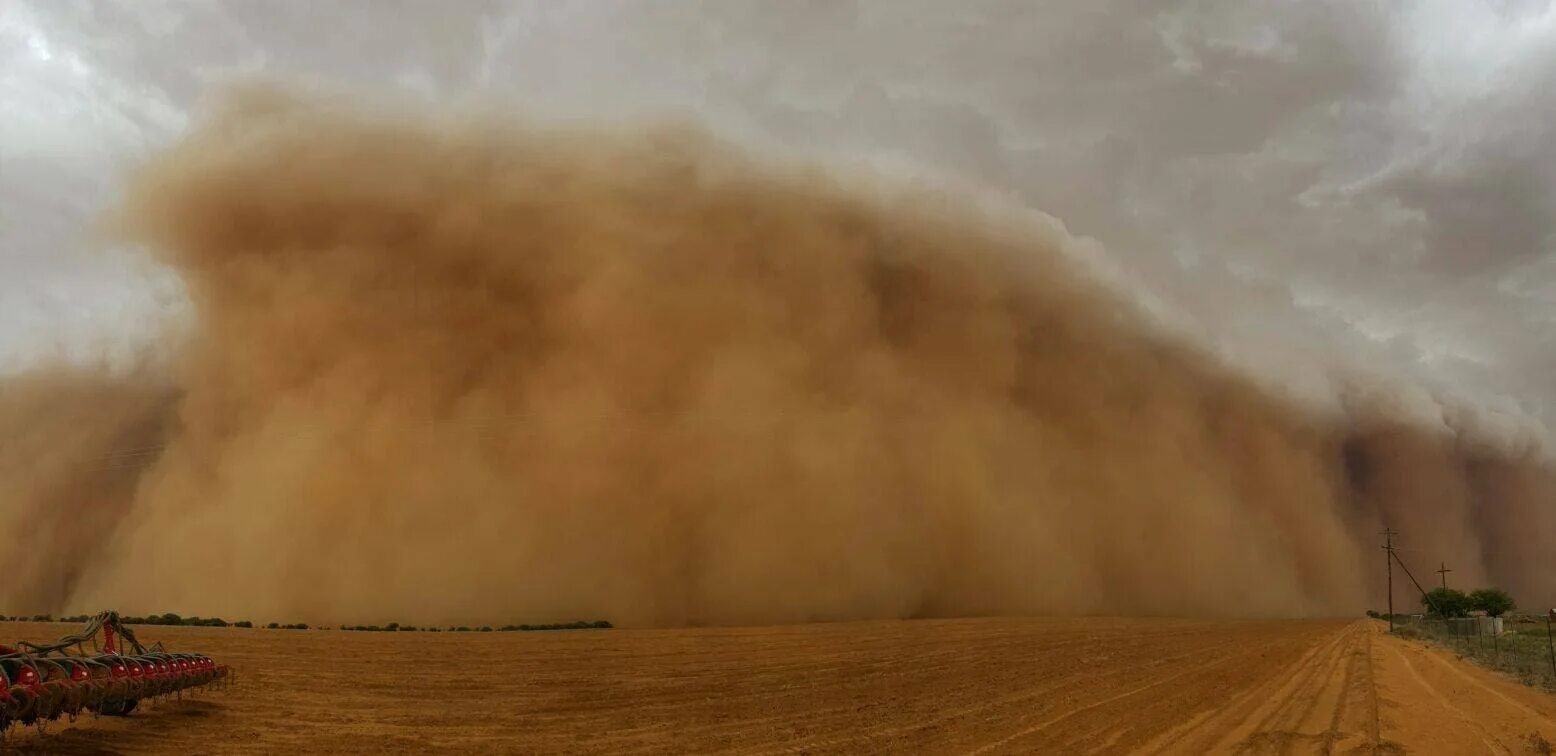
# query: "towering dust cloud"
[449,372]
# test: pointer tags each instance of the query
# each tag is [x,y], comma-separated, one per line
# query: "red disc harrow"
[42,682]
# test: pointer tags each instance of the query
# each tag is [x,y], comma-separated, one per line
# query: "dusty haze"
[457,371]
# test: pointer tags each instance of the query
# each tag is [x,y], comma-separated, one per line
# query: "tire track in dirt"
[961,707]
[1442,701]
[1068,672]
[1308,690]
[1433,702]
[1460,671]
[1082,711]
[1131,721]
[1320,703]
[1372,687]
[1323,708]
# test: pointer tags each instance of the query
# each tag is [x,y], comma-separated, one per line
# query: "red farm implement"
[42,682]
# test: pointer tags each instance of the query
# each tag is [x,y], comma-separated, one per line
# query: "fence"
[1473,626]
[1521,646]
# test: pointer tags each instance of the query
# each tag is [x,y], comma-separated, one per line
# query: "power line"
[1425,597]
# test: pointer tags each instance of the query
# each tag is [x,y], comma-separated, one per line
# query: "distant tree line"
[397,627]
[171,619]
[155,619]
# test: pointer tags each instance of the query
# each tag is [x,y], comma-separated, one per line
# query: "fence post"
[1548,642]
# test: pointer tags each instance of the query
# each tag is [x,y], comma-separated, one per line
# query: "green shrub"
[1495,602]
[1446,602]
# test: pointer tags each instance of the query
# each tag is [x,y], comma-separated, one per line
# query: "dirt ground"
[964,686]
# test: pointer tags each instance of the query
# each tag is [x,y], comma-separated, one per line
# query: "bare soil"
[965,686]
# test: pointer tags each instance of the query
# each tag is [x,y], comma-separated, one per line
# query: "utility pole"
[1442,569]
[1549,643]
[1388,560]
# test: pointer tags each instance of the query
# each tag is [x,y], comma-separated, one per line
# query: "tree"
[1446,602]
[1493,601]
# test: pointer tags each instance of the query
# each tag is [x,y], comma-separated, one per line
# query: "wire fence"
[1523,646]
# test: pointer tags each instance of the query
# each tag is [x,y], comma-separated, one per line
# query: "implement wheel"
[120,708]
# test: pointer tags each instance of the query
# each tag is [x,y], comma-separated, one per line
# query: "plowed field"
[964,686]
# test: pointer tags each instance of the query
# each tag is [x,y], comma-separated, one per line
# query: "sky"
[1312,189]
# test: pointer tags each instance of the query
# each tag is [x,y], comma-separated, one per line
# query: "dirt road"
[964,686]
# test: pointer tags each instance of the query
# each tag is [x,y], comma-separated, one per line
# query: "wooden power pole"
[1388,559]
[1442,569]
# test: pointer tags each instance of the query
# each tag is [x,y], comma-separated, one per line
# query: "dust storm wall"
[458,371]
